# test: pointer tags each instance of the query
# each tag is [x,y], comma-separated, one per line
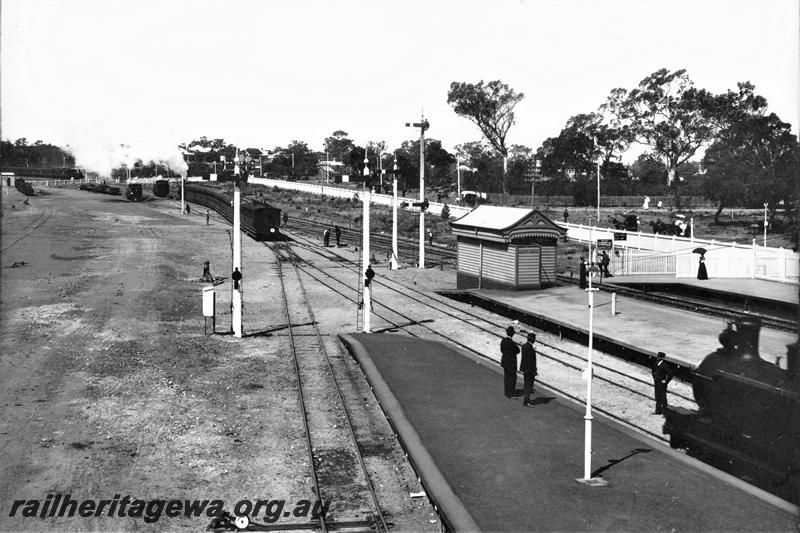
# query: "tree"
[294,160]
[487,167]
[667,113]
[338,146]
[491,108]
[755,159]
[438,163]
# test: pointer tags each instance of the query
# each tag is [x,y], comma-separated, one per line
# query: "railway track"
[326,419]
[27,229]
[443,256]
[478,332]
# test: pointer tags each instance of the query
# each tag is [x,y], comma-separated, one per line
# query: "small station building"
[506,248]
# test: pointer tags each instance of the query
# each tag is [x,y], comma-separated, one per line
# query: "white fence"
[647,253]
[341,192]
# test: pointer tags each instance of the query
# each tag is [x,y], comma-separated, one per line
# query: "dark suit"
[508,361]
[662,374]
[527,366]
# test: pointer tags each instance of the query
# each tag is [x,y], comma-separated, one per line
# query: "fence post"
[782,265]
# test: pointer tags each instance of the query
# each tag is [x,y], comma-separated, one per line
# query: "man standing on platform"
[582,273]
[509,351]
[662,374]
[527,366]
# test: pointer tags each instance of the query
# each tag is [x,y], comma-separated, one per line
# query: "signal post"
[236,296]
[422,125]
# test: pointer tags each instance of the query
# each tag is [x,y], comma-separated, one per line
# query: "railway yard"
[111,386]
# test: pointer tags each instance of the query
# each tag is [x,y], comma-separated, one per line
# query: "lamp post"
[587,478]
[765,225]
[422,125]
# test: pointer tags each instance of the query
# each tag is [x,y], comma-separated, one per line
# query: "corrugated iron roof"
[493,217]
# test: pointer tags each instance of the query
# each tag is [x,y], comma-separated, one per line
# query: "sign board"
[605,244]
[620,236]
[345,178]
[212,177]
[209,301]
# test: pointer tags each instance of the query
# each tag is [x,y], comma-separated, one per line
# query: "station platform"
[641,329]
[750,288]
[491,464]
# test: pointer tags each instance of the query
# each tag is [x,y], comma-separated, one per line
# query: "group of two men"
[662,370]
[527,365]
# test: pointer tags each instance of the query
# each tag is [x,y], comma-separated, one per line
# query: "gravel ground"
[110,388]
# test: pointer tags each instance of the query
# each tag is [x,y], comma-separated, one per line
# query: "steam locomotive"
[748,422]
[260,221]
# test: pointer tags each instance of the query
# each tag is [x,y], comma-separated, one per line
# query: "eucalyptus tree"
[667,113]
[489,106]
[755,158]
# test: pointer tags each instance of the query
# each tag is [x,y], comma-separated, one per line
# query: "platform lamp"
[587,478]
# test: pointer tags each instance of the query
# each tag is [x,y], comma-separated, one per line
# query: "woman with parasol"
[702,273]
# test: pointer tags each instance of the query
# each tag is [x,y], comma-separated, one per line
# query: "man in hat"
[582,273]
[509,351]
[662,374]
[527,366]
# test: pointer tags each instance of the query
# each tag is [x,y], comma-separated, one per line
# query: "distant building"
[330,171]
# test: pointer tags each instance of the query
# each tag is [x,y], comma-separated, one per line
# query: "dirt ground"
[110,388]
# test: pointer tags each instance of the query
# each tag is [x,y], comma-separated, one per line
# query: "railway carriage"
[260,221]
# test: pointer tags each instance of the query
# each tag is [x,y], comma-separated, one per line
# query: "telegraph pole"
[236,299]
[365,264]
[422,125]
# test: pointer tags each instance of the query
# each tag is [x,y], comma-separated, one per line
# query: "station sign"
[620,236]
[605,244]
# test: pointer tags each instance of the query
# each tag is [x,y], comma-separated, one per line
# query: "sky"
[151,74]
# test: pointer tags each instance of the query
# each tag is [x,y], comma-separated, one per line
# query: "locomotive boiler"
[748,418]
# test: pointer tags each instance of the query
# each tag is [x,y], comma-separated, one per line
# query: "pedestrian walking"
[326,237]
[285,217]
[208,217]
[527,366]
[338,233]
[582,273]
[662,374]
[188,209]
[509,351]
[566,215]
[605,260]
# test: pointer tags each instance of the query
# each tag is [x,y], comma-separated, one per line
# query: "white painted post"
[236,300]
[587,478]
[365,262]
[613,304]
[393,262]
[422,194]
